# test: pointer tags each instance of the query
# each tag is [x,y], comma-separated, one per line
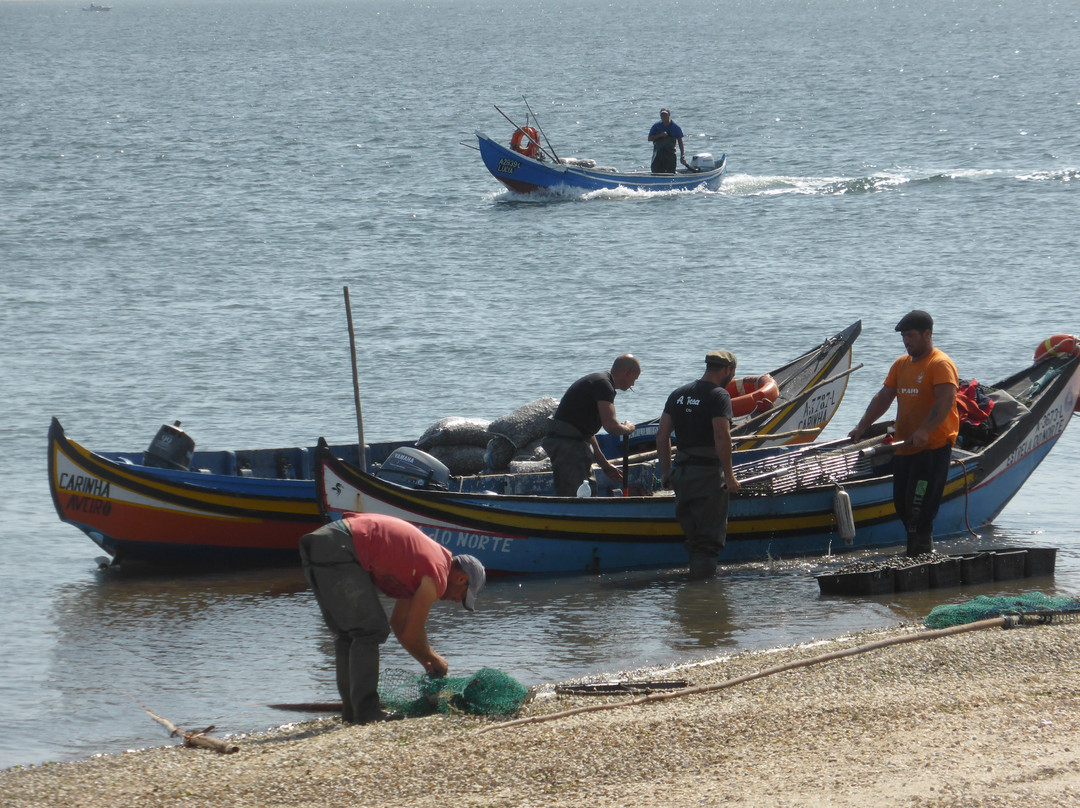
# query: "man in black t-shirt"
[588,404]
[700,415]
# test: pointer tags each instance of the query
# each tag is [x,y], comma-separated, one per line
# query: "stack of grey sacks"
[510,443]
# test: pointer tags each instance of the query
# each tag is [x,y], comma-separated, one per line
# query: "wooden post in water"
[361,448]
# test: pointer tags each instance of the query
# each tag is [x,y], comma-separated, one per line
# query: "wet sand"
[982,718]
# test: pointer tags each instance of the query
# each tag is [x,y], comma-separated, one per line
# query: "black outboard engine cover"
[171,448]
[414,469]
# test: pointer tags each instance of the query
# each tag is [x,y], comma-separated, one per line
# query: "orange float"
[530,149]
[1057,345]
[752,394]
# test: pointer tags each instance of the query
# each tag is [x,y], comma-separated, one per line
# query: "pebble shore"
[979,719]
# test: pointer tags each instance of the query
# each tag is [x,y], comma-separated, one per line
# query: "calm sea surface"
[185,188]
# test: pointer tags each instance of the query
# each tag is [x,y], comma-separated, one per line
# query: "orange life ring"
[532,148]
[752,394]
[1057,345]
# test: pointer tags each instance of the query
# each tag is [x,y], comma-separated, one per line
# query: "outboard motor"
[171,448]
[414,469]
[702,162]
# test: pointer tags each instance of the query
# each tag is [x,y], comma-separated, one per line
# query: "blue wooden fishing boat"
[529,168]
[787,503]
[248,507]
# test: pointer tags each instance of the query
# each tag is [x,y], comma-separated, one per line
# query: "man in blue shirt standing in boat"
[665,135]
[700,415]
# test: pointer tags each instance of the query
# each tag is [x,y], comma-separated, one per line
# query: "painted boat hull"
[135,512]
[527,175]
[247,508]
[523,534]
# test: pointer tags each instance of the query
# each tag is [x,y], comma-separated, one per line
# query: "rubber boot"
[364,682]
[702,566]
[341,664]
[919,543]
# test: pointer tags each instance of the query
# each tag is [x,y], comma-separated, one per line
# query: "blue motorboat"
[526,167]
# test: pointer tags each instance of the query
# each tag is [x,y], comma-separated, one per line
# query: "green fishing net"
[984,608]
[486,692]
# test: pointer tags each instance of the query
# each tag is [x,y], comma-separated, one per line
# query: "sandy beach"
[981,718]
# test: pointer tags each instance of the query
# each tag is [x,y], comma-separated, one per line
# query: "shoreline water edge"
[982,718]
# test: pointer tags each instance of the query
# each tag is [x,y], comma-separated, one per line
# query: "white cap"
[472,567]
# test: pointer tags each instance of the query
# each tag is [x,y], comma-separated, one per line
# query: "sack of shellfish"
[526,423]
[455,431]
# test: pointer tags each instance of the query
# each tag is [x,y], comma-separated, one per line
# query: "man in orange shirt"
[923,383]
[348,563]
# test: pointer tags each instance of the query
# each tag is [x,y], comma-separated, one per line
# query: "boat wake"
[781,185]
[550,195]
[879,182]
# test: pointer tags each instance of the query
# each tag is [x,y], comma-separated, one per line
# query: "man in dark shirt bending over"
[588,404]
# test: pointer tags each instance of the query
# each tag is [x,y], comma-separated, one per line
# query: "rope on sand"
[801,663]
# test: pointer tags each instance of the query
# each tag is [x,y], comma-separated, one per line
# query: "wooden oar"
[644,457]
[815,387]
[882,448]
[791,433]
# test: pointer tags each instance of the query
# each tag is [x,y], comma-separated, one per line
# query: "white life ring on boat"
[1057,345]
[752,394]
[532,148]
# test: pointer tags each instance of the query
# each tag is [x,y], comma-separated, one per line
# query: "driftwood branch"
[197,737]
[800,663]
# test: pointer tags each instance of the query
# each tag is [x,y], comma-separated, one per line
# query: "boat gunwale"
[137,479]
[436,504]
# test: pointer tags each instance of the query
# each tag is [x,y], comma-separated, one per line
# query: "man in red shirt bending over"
[347,563]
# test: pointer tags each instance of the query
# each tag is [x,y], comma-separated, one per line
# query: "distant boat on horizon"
[94,7]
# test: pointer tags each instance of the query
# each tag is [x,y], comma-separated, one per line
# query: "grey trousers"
[571,457]
[350,606]
[701,507]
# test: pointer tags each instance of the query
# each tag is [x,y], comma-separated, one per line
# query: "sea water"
[186,186]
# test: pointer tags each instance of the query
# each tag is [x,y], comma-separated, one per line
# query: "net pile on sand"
[487,692]
[985,608]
